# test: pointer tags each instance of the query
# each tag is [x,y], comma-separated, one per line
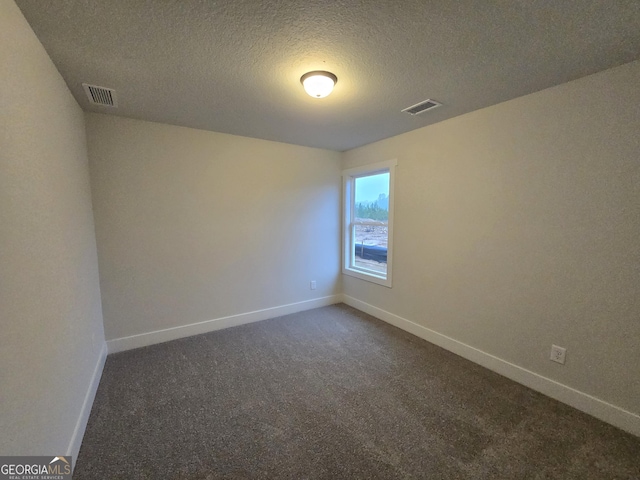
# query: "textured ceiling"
[234,66]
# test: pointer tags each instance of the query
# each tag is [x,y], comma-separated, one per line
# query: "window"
[368,222]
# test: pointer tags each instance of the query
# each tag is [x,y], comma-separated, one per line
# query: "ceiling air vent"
[422,107]
[100,95]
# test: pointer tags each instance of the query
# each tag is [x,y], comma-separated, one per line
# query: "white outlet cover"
[558,354]
[312,285]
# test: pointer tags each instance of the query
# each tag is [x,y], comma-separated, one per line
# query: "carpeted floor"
[332,393]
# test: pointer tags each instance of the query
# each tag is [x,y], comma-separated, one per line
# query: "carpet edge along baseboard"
[605,411]
[165,335]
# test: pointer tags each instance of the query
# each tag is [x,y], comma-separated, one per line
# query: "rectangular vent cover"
[100,95]
[422,107]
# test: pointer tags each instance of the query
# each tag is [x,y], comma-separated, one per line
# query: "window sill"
[368,277]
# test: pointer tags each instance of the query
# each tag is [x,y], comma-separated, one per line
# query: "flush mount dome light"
[318,84]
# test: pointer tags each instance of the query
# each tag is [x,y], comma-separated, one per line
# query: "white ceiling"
[234,66]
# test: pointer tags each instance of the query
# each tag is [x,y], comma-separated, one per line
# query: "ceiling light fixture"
[318,84]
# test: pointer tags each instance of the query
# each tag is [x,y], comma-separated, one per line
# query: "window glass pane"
[372,205]
[372,197]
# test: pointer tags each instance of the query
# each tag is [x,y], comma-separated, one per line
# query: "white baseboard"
[167,334]
[81,424]
[605,411]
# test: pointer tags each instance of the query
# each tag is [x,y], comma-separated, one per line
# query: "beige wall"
[518,226]
[194,225]
[50,318]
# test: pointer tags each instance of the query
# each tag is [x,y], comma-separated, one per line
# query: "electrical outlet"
[312,285]
[558,354]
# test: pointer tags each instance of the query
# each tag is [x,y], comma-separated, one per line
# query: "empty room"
[319,240]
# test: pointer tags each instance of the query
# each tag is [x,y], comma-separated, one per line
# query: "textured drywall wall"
[194,225]
[50,315]
[517,226]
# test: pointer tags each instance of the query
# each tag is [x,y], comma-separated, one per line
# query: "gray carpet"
[332,393]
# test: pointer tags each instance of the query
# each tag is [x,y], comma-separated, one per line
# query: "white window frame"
[348,224]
